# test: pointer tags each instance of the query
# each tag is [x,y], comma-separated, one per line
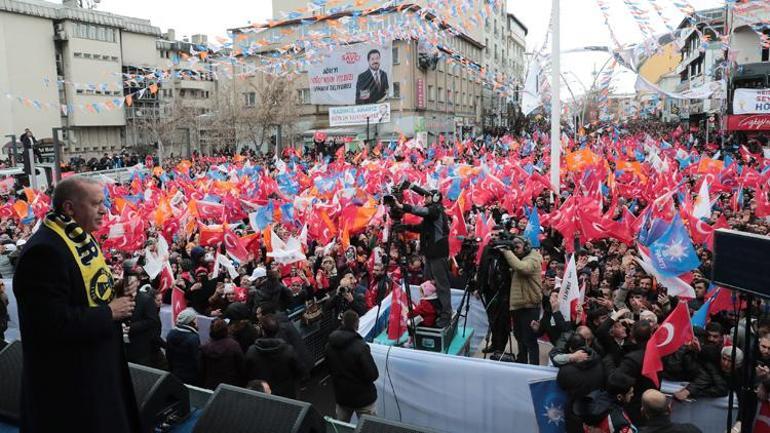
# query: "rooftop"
[56,11]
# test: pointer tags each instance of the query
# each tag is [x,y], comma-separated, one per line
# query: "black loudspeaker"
[742,262]
[11,359]
[161,397]
[238,410]
[370,424]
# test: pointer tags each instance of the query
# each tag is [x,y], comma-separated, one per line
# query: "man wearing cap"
[75,375]
[183,348]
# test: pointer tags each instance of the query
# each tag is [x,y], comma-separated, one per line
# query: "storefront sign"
[750,122]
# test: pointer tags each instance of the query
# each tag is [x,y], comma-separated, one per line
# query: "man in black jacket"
[271,359]
[631,365]
[75,375]
[372,84]
[143,330]
[352,369]
[578,379]
[434,244]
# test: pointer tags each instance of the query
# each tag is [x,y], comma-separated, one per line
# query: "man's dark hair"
[576,342]
[268,308]
[257,385]
[374,51]
[619,383]
[642,331]
[218,329]
[350,320]
[596,313]
[269,325]
[714,327]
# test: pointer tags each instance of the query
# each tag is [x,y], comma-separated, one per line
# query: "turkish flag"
[209,235]
[178,303]
[234,246]
[170,227]
[762,420]
[672,334]
[166,278]
[209,210]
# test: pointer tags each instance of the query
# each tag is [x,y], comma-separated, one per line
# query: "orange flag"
[708,165]
[580,159]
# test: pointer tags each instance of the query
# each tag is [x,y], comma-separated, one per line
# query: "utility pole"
[555,98]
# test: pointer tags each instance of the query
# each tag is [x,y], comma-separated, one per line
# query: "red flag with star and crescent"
[672,334]
[178,303]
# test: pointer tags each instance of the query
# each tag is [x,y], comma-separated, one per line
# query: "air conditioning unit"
[60,36]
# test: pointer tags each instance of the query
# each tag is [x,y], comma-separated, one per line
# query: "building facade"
[446,98]
[108,81]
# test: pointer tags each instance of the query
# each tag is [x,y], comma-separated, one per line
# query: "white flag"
[702,207]
[569,294]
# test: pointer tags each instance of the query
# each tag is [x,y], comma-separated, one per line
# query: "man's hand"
[579,356]
[619,314]
[762,372]
[122,308]
[535,325]
[554,305]
[196,286]
[682,394]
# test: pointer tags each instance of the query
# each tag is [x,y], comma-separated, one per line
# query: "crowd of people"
[329,203]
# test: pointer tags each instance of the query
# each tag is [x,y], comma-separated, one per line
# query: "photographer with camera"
[434,245]
[525,296]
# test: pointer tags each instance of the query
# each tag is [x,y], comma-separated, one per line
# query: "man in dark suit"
[75,377]
[372,84]
[143,330]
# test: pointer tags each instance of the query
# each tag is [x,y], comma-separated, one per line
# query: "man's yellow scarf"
[97,277]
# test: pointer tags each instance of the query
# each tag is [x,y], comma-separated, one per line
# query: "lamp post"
[555,98]
[56,155]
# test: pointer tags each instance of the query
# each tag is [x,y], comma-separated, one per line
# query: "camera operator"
[525,297]
[434,245]
[494,284]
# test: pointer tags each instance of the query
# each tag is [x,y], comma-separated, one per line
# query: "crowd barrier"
[455,394]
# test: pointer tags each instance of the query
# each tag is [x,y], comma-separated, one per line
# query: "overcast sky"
[582,24]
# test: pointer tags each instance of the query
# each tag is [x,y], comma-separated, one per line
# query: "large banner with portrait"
[356,74]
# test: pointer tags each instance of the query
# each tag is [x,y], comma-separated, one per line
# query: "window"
[77,54]
[303,96]
[431,93]
[91,32]
[396,90]
[449,97]
[395,56]
[87,55]
[766,51]
[101,33]
[440,94]
[97,56]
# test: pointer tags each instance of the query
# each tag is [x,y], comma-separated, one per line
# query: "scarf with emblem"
[97,277]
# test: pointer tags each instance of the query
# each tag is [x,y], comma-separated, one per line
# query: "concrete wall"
[26,41]
[81,69]
[748,47]
[139,50]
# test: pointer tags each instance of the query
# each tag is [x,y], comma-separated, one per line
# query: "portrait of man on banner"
[372,84]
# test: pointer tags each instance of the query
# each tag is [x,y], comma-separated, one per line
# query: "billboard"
[756,122]
[357,115]
[751,101]
[357,74]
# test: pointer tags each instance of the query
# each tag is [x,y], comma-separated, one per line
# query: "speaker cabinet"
[159,396]
[11,359]
[742,262]
[237,410]
[370,424]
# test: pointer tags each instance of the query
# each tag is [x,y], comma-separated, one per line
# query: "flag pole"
[555,98]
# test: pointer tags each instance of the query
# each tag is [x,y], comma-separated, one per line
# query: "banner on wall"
[357,74]
[750,122]
[358,114]
[751,101]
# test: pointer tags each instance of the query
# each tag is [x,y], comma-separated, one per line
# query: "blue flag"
[673,253]
[287,212]
[550,404]
[532,232]
[454,189]
[262,217]
[699,317]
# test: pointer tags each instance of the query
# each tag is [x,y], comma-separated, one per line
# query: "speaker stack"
[370,424]
[10,381]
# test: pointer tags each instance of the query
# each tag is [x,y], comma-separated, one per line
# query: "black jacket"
[75,376]
[274,361]
[664,425]
[434,230]
[290,334]
[222,362]
[366,82]
[144,330]
[183,354]
[578,379]
[352,369]
[631,365]
[613,352]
